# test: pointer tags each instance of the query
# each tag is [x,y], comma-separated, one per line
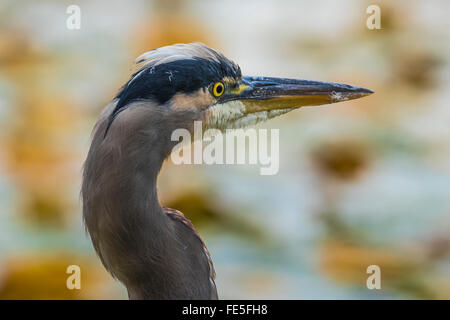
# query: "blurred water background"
[362,182]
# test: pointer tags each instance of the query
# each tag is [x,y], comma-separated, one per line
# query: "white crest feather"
[178,51]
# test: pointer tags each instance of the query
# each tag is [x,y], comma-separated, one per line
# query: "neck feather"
[122,214]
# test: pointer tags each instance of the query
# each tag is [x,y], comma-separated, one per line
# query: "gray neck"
[128,227]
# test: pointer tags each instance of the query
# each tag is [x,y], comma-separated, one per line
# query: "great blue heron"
[155,251]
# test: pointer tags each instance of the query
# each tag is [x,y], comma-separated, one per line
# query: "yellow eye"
[218,89]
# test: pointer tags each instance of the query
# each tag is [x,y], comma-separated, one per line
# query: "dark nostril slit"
[265,84]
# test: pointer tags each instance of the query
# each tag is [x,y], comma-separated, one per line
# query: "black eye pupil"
[219,89]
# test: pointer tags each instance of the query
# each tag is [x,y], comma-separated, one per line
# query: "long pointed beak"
[266,93]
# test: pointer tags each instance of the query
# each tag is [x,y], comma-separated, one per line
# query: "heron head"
[193,78]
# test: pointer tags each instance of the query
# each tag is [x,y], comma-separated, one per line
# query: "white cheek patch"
[278,112]
[221,116]
[250,120]
[232,115]
[257,117]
